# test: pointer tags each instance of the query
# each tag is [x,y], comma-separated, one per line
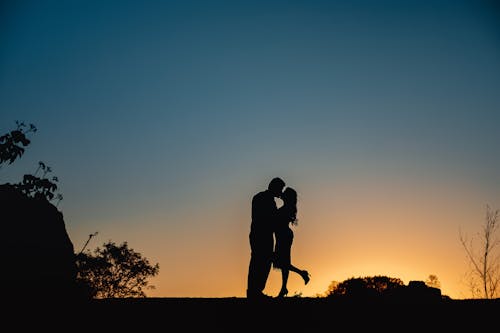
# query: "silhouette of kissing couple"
[271,238]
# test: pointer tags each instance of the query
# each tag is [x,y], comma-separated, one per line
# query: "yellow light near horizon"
[353,233]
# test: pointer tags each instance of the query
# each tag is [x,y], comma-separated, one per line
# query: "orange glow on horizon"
[407,235]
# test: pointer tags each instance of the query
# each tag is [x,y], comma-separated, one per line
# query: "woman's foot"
[305,276]
[283,292]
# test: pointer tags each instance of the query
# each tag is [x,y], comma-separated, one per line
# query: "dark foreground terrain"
[240,314]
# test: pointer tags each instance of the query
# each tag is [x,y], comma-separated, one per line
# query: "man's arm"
[264,208]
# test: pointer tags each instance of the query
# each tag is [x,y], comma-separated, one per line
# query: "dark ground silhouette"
[240,314]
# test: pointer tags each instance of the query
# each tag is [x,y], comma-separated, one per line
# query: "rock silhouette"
[38,255]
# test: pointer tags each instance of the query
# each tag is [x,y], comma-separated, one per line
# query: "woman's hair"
[290,203]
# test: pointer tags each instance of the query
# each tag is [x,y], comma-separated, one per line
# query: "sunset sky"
[162,119]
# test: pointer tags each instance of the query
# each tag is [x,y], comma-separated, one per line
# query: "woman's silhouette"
[287,215]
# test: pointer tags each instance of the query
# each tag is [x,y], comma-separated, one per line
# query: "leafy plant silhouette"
[12,147]
[13,143]
[40,187]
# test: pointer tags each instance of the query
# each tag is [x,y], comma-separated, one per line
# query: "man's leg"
[260,264]
[252,277]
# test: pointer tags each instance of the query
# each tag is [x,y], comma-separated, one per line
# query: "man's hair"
[276,182]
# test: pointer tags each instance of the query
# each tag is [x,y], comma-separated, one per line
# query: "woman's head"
[289,196]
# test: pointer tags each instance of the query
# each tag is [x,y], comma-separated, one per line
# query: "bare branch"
[486,264]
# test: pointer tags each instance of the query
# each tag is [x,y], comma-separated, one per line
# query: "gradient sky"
[161,119]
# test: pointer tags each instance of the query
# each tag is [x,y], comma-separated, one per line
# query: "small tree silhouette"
[433,281]
[115,271]
[484,273]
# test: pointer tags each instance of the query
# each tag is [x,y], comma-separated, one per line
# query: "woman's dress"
[284,239]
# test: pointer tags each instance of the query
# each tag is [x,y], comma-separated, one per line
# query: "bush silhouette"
[365,287]
[114,271]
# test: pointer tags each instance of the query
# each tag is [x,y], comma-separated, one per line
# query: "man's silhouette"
[264,212]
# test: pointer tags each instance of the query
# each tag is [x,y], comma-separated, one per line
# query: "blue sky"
[154,113]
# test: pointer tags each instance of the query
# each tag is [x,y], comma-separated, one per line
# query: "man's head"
[276,186]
